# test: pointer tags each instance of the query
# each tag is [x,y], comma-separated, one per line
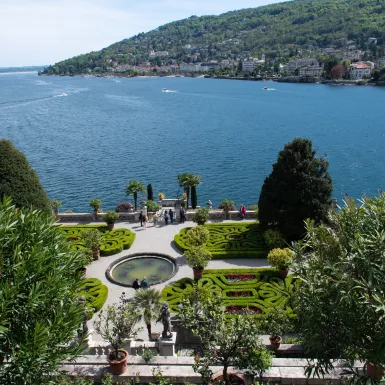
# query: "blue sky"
[38,32]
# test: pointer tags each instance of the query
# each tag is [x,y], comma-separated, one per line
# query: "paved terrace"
[160,240]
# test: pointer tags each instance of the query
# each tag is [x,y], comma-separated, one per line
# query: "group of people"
[143,220]
[168,216]
[143,284]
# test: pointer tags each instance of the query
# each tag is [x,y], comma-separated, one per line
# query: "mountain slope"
[277,30]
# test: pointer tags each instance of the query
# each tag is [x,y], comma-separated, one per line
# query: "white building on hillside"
[315,71]
[249,65]
[360,70]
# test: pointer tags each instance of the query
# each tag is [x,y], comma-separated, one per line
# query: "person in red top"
[243,212]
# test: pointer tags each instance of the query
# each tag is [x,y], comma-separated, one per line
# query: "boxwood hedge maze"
[243,290]
[231,240]
[115,241]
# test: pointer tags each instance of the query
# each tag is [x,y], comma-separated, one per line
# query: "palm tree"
[133,187]
[187,181]
[149,303]
[227,205]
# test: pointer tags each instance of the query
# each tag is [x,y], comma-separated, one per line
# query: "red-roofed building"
[360,70]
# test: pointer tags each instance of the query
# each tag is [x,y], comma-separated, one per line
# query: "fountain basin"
[156,267]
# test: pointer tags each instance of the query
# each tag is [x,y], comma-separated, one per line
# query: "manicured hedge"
[115,241]
[230,240]
[96,294]
[268,289]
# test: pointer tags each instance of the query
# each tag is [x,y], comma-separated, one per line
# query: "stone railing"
[215,215]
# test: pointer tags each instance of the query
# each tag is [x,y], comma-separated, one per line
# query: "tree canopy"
[19,181]
[39,287]
[341,299]
[299,187]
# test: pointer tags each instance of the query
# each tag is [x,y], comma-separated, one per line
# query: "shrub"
[198,236]
[96,204]
[124,207]
[95,293]
[161,196]
[227,205]
[273,239]
[152,206]
[280,258]
[93,238]
[253,207]
[19,181]
[197,257]
[201,216]
[110,217]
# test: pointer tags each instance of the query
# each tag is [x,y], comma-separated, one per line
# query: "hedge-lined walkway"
[159,240]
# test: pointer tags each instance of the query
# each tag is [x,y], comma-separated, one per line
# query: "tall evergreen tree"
[19,181]
[194,198]
[150,194]
[299,187]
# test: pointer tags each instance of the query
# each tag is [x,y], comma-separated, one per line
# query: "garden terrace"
[115,241]
[230,240]
[259,290]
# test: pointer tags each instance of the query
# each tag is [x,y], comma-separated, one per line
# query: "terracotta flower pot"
[275,342]
[110,226]
[283,273]
[375,371]
[96,253]
[118,365]
[198,273]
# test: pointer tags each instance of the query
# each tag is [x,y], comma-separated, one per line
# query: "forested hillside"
[277,30]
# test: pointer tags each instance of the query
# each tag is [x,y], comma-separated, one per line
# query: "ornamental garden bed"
[96,295]
[230,240]
[115,241]
[244,290]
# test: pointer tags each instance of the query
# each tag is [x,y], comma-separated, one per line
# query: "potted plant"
[227,205]
[87,259]
[55,204]
[201,216]
[114,325]
[96,204]
[198,236]
[197,257]
[161,196]
[276,322]
[110,217]
[281,259]
[152,206]
[93,239]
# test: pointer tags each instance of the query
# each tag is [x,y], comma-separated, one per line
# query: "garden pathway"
[159,240]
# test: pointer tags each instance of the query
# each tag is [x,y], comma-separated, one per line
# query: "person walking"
[243,211]
[144,284]
[165,216]
[141,219]
[171,214]
[136,284]
[145,221]
[182,215]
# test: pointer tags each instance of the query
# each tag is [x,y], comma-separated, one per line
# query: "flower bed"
[230,240]
[115,241]
[96,294]
[259,290]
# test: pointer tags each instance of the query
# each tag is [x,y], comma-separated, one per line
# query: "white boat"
[63,94]
[164,90]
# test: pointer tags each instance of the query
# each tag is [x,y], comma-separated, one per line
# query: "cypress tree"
[150,195]
[194,198]
[19,181]
[299,187]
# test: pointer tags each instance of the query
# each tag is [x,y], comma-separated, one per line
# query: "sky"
[41,32]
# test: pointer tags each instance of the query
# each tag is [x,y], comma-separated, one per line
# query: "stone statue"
[209,204]
[166,321]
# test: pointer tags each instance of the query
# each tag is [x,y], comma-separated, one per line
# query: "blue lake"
[87,137]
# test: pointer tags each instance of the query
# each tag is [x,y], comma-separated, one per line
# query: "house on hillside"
[315,71]
[249,65]
[361,70]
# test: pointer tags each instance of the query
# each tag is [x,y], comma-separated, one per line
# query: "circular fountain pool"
[155,267]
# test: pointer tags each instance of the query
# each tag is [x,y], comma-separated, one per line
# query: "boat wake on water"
[269,89]
[166,90]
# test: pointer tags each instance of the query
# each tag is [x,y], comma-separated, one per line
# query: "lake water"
[87,137]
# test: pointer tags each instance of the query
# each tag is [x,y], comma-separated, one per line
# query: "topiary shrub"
[201,216]
[124,207]
[198,236]
[280,258]
[96,295]
[274,239]
[110,217]
[152,206]
[19,181]
[197,257]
